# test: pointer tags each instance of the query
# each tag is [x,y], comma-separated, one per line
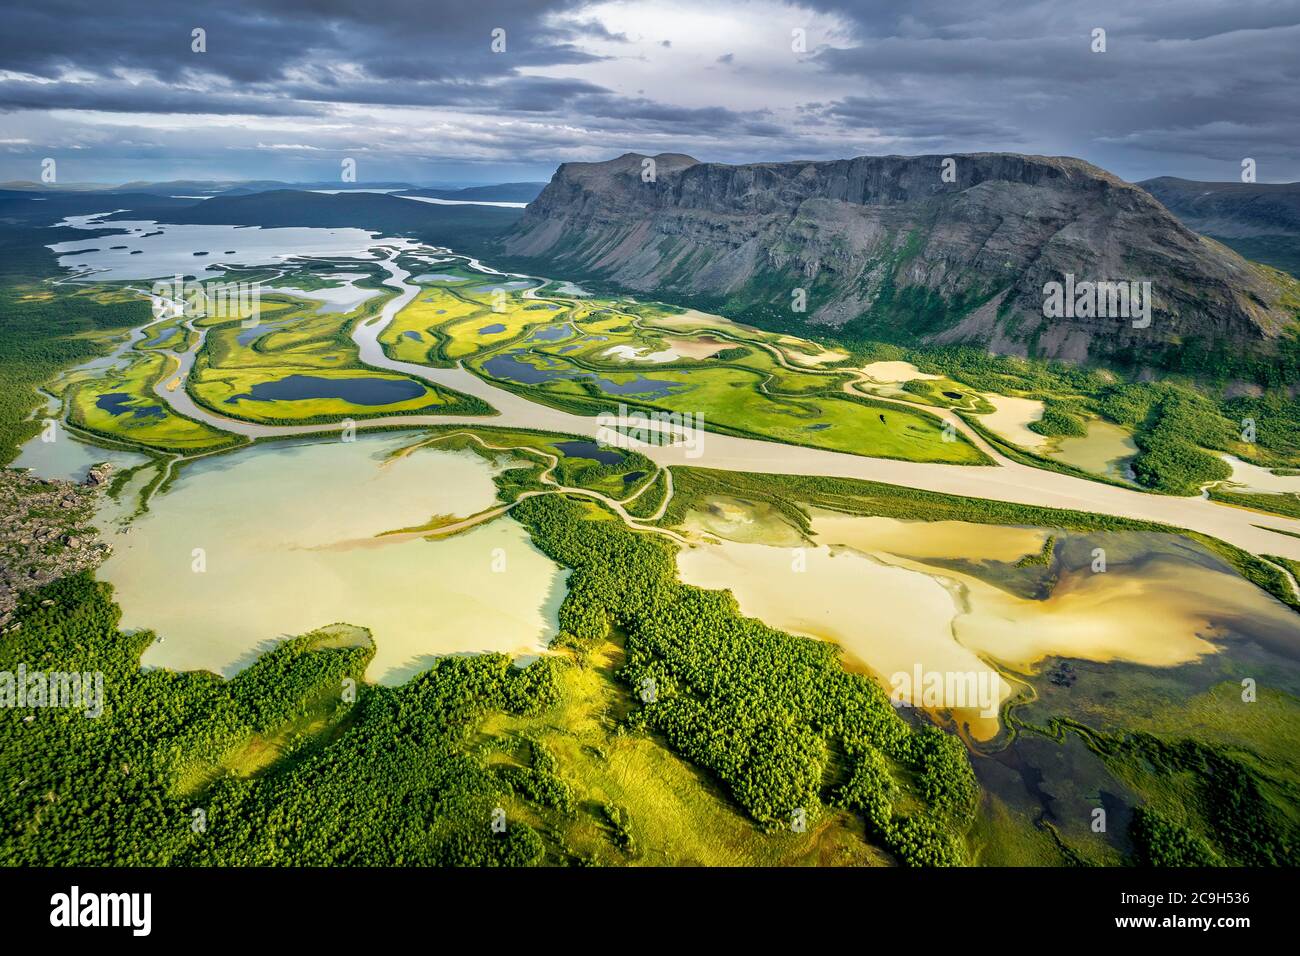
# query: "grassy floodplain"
[293,342]
[121,405]
[1179,426]
[584,355]
[45,328]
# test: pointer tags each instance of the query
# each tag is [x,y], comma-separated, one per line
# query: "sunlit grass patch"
[122,405]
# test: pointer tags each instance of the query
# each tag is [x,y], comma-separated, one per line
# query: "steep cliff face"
[885,247]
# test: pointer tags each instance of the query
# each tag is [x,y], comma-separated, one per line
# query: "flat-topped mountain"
[890,247]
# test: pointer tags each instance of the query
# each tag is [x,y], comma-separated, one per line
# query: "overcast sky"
[414,91]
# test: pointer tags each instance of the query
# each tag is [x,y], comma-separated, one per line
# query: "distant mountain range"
[886,247]
[1259,220]
[190,188]
[265,203]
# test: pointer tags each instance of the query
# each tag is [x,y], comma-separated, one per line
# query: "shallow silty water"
[873,586]
[55,453]
[265,543]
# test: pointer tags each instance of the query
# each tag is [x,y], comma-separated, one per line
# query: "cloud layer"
[286,89]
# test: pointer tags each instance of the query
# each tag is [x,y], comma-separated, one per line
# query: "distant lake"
[165,250]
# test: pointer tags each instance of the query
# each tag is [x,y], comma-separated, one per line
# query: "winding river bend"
[1005,480]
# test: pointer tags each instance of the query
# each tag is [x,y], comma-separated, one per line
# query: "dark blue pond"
[511,368]
[411,334]
[632,477]
[358,391]
[589,449]
[118,403]
[638,386]
[551,333]
[492,329]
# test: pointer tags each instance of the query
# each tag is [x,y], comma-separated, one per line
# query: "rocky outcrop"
[45,532]
[886,247]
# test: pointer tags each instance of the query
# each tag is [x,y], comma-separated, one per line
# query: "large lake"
[152,250]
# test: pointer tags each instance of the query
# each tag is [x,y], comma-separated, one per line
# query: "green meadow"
[583,355]
[291,338]
[122,406]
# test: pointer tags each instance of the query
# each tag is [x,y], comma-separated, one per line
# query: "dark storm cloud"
[524,94]
[916,121]
[639,110]
[118,97]
[263,42]
[1181,87]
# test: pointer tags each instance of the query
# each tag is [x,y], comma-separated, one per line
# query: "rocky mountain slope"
[884,247]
